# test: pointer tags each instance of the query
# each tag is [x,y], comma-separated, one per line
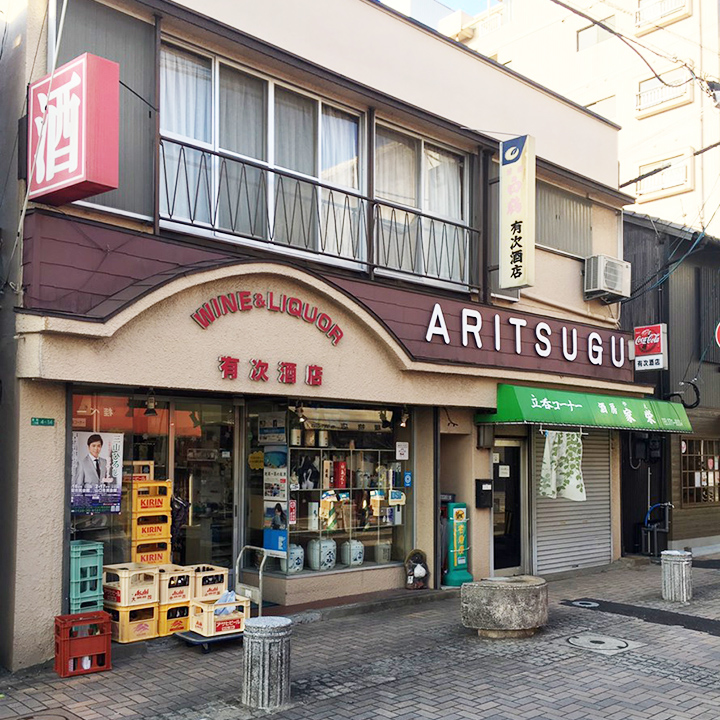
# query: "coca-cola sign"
[651,347]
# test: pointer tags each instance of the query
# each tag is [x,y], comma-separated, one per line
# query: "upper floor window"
[668,91]
[594,34]
[651,14]
[667,176]
[411,172]
[563,220]
[250,157]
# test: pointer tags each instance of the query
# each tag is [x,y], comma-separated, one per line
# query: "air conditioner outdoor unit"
[606,278]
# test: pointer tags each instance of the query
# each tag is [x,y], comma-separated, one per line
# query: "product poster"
[271,428]
[97,461]
[275,516]
[275,484]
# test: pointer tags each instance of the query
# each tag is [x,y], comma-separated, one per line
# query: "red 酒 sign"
[73,131]
[717,334]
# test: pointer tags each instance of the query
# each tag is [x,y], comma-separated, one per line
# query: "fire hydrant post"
[266,662]
[676,575]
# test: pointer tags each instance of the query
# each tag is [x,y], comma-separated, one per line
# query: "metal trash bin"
[676,575]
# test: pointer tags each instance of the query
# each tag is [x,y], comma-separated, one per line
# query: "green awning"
[517,405]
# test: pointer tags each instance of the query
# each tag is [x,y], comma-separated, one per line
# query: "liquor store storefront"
[271,407]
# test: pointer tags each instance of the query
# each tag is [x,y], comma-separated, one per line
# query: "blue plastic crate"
[86,569]
[86,604]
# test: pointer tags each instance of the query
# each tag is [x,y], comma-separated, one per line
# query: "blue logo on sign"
[512,150]
[408,479]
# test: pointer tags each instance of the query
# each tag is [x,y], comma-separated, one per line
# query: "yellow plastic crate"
[152,553]
[204,621]
[150,495]
[130,584]
[175,584]
[209,581]
[132,624]
[173,618]
[151,526]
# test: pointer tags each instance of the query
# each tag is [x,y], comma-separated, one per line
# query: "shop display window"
[700,471]
[331,485]
[153,480]
[114,438]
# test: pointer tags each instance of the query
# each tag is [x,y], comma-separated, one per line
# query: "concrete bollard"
[505,607]
[676,575]
[266,662]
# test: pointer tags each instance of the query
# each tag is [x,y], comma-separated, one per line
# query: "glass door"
[508,512]
[204,486]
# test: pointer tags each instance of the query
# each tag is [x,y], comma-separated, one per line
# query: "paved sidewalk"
[419,662]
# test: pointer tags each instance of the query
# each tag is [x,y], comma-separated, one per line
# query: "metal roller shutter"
[568,534]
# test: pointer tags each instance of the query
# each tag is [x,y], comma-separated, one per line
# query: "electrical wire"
[630,42]
[24,108]
[23,212]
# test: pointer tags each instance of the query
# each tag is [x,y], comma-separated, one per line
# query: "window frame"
[684,97]
[683,156]
[692,462]
[269,164]
[643,27]
[420,180]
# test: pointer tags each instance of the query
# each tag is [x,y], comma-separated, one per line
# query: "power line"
[630,43]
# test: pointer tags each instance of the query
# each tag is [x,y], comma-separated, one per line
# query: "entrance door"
[204,483]
[508,513]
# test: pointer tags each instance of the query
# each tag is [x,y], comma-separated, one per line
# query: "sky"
[471,7]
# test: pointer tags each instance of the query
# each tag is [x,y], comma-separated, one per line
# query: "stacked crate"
[176,586]
[208,617]
[86,572]
[131,593]
[151,519]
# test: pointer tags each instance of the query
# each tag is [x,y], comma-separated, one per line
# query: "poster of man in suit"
[97,461]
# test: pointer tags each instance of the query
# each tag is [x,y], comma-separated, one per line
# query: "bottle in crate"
[173,618]
[175,584]
[209,581]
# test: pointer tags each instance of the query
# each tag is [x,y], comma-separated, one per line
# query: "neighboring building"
[295,273]
[663,103]
[684,293]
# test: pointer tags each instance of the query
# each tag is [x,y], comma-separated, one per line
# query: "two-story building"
[288,309]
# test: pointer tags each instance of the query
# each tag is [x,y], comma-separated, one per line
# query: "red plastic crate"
[82,643]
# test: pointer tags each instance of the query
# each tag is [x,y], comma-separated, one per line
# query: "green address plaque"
[45,422]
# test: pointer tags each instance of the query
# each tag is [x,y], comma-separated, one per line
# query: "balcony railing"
[219,193]
[648,12]
[659,95]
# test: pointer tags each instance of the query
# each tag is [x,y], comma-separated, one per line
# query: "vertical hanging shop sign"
[73,131]
[517,213]
[651,348]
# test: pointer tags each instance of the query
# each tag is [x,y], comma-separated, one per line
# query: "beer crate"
[150,495]
[87,604]
[130,584]
[173,618]
[82,644]
[204,621]
[151,526]
[209,581]
[131,624]
[175,584]
[152,553]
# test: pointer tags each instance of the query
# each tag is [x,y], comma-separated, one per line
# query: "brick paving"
[418,662]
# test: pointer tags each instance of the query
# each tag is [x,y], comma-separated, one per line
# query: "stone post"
[676,575]
[266,662]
